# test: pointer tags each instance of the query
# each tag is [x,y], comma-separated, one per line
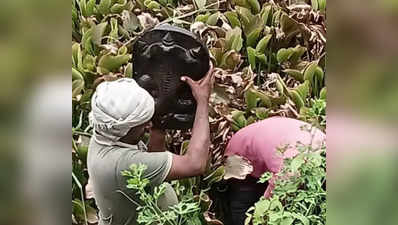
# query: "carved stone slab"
[160,57]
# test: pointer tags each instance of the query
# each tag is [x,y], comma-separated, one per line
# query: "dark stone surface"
[160,57]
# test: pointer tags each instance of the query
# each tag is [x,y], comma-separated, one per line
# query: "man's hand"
[194,162]
[201,89]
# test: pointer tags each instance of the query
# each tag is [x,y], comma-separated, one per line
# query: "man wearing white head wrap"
[117,107]
[120,112]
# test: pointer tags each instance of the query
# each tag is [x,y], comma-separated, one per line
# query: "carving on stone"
[160,57]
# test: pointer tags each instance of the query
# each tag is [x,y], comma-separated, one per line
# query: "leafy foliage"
[299,196]
[185,212]
[189,209]
[269,58]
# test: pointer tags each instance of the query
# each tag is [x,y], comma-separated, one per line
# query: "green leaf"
[275,204]
[78,208]
[287,221]
[303,89]
[289,26]
[104,7]
[265,13]
[247,19]
[317,80]
[76,55]
[152,5]
[255,23]
[83,7]
[274,218]
[163,2]
[87,41]
[296,74]
[128,71]
[261,113]
[263,43]
[122,50]
[230,60]
[233,39]
[264,99]
[250,99]
[298,52]
[302,218]
[212,20]
[282,87]
[130,21]
[251,119]
[114,34]
[98,32]
[265,177]
[117,8]
[200,3]
[77,83]
[216,176]
[251,39]
[255,6]
[218,54]
[109,63]
[235,127]
[89,63]
[239,118]
[242,3]
[184,147]
[319,73]
[297,99]
[322,5]
[260,207]
[242,122]
[233,19]
[236,114]
[310,71]
[261,58]
[296,163]
[90,7]
[314,4]
[279,87]
[284,54]
[76,75]
[251,55]
[146,2]
[322,94]
[202,17]
[248,219]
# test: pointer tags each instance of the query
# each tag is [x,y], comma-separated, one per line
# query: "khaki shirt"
[105,164]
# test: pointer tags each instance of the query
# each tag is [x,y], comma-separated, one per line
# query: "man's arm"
[194,162]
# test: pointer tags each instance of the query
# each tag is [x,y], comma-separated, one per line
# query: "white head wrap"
[116,107]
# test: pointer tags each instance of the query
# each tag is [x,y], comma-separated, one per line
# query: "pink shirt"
[258,142]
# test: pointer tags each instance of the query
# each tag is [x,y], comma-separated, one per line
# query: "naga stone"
[160,57]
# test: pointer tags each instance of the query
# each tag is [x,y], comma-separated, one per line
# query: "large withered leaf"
[237,167]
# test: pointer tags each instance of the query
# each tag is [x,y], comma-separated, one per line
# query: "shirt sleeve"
[158,164]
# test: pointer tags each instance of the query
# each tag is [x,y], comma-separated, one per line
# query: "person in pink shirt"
[258,143]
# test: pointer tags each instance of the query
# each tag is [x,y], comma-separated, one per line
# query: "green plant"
[316,114]
[299,196]
[269,58]
[187,211]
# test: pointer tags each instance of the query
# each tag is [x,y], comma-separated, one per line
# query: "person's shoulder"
[114,149]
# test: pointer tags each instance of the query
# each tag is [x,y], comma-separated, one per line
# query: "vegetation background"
[35,102]
[269,58]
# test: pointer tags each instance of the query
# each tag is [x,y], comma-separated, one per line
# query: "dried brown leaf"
[237,167]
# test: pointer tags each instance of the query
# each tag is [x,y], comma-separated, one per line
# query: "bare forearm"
[198,148]
[193,163]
